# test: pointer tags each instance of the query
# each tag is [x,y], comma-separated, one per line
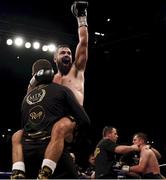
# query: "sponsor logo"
[36,114]
[36,97]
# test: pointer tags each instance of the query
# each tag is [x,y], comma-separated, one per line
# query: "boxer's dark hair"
[142,136]
[61,46]
[41,64]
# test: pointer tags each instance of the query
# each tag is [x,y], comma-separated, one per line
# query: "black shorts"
[152,176]
[34,155]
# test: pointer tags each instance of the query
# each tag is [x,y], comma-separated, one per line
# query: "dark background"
[125,74]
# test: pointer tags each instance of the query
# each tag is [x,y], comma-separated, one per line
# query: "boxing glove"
[79,10]
[42,77]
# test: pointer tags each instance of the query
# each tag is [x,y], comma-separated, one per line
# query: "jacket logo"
[97,151]
[36,114]
[36,98]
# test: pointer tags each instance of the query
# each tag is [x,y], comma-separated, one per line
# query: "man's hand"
[135,147]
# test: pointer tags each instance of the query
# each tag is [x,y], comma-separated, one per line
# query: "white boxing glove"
[125,168]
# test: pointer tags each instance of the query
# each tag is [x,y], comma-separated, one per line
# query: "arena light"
[18,41]
[27,44]
[99,34]
[36,45]
[45,48]
[109,20]
[51,47]
[3,135]
[9,130]
[9,42]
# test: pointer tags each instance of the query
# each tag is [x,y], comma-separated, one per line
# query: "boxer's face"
[64,60]
[137,141]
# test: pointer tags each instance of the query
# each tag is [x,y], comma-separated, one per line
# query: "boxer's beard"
[64,66]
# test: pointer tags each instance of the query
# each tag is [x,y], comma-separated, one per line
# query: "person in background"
[148,165]
[105,153]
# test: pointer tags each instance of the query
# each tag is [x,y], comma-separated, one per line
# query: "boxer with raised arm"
[70,75]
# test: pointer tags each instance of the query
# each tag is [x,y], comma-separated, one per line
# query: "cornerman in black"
[105,154]
[42,109]
[48,103]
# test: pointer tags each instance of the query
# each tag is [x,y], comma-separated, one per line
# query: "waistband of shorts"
[37,139]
